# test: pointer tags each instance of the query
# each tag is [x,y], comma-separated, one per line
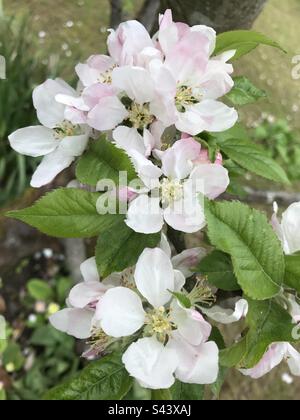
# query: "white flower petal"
[179,280]
[293,360]
[145,215]
[291,228]
[86,293]
[190,324]
[107,114]
[136,82]
[154,276]
[165,246]
[228,316]
[214,179]
[89,270]
[120,312]
[188,260]
[151,364]
[51,113]
[33,141]
[197,365]
[129,139]
[75,322]
[50,167]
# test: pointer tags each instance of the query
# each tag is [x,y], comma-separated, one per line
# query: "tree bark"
[116,16]
[222,15]
[148,13]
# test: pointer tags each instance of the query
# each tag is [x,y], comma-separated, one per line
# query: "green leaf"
[243,42]
[40,290]
[67,213]
[231,356]
[12,357]
[268,323]
[104,160]
[161,395]
[106,379]
[217,337]
[125,246]
[244,92]
[256,252]
[63,287]
[182,299]
[218,269]
[187,392]
[292,271]
[253,158]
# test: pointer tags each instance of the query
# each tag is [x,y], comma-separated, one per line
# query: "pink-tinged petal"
[75,322]
[125,194]
[75,116]
[108,114]
[93,94]
[125,44]
[177,162]
[33,141]
[136,82]
[50,167]
[154,277]
[72,101]
[89,270]
[228,316]
[291,228]
[120,312]
[272,358]
[216,82]
[86,293]
[188,260]
[209,33]
[293,360]
[91,72]
[151,363]
[204,158]
[129,139]
[101,62]
[188,60]
[213,179]
[197,364]
[51,113]
[216,116]
[145,215]
[190,324]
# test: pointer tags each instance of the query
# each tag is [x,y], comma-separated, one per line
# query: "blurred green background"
[46,38]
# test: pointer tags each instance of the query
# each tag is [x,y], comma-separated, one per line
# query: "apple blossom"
[192,81]
[57,139]
[288,228]
[175,190]
[122,312]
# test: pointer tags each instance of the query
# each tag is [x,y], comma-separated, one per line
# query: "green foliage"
[67,213]
[243,42]
[280,143]
[218,269]
[104,160]
[125,248]
[256,252]
[187,392]
[240,149]
[244,92]
[40,290]
[292,271]
[106,379]
[161,395]
[267,323]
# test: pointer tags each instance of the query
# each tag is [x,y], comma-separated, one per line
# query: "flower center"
[171,191]
[160,323]
[106,77]
[140,116]
[185,96]
[66,129]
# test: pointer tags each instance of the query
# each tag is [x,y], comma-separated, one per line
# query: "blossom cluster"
[152,98]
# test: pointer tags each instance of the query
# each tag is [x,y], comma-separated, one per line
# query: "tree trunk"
[116,16]
[222,15]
